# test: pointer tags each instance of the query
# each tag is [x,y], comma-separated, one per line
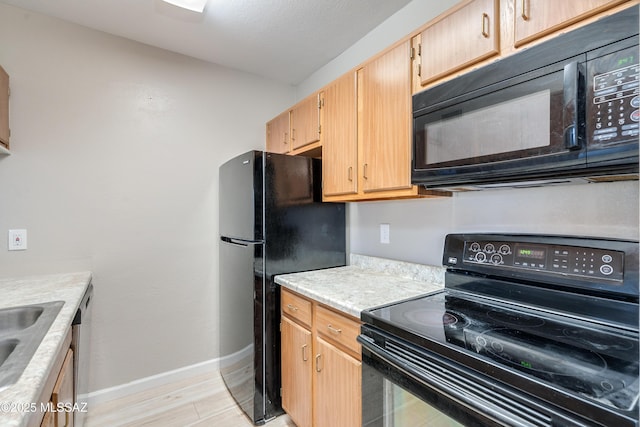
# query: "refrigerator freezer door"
[241,191]
[241,344]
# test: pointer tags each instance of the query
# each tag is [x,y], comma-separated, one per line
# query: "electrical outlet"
[384,233]
[17,240]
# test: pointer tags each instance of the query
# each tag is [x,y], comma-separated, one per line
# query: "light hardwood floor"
[200,401]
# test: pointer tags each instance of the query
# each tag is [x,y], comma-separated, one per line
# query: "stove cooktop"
[587,359]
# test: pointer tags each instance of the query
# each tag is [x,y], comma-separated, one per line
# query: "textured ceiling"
[284,40]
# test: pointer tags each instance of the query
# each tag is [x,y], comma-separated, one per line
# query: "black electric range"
[552,321]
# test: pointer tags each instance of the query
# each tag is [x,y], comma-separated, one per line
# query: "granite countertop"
[69,288]
[366,283]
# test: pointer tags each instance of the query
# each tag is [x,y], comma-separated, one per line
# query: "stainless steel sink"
[21,332]
[6,348]
[18,318]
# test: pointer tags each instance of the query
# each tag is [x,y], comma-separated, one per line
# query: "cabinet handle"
[292,307]
[304,353]
[334,330]
[284,138]
[364,170]
[293,134]
[66,418]
[485,25]
[350,173]
[318,368]
[524,14]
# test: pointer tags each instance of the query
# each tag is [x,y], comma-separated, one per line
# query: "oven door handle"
[446,387]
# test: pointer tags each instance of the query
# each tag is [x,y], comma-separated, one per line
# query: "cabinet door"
[48,420]
[466,36]
[305,122]
[278,134]
[337,394]
[63,393]
[384,91]
[536,18]
[340,143]
[296,372]
[4,108]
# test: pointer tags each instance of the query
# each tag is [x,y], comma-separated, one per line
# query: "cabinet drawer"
[296,307]
[337,329]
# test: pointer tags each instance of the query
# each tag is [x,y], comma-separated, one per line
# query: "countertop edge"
[16,400]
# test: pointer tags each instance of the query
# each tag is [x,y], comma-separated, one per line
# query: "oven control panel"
[561,259]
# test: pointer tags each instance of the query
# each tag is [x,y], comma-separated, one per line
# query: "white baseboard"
[142,384]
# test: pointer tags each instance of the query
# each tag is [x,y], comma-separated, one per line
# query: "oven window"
[513,125]
[403,409]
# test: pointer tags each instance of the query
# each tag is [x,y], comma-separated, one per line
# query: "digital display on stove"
[531,253]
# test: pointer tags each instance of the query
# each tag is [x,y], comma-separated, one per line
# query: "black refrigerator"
[272,221]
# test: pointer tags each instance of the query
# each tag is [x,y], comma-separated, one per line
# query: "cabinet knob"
[292,307]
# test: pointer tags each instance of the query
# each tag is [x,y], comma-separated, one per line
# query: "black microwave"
[563,111]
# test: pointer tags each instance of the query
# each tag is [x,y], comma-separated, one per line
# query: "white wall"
[418,227]
[115,154]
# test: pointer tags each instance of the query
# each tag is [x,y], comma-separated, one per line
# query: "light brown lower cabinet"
[321,364]
[62,398]
[56,404]
[296,373]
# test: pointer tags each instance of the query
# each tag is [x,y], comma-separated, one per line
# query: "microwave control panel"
[614,116]
[558,259]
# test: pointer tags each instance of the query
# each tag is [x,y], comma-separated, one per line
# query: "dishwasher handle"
[84,305]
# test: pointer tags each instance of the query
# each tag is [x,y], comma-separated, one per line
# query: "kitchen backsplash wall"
[418,227]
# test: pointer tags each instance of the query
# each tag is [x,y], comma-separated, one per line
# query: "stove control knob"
[481,341]
[504,250]
[496,259]
[490,248]
[481,257]
[474,247]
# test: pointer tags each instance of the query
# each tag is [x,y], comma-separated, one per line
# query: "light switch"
[384,233]
[17,240]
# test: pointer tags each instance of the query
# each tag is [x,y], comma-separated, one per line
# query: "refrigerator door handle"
[240,242]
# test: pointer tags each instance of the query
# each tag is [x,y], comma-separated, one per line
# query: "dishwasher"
[81,337]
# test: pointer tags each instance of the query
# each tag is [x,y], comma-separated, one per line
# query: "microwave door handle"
[573,82]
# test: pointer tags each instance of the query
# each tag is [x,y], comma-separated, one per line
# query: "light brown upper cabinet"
[278,134]
[305,122]
[385,108]
[297,130]
[464,35]
[339,137]
[537,18]
[4,108]
[366,152]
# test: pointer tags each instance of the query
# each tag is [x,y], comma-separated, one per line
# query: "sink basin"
[6,348]
[18,318]
[21,332]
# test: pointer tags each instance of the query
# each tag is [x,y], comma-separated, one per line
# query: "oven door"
[527,126]
[403,385]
